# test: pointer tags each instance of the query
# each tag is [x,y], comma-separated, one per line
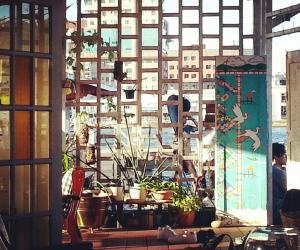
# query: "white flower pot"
[137,192]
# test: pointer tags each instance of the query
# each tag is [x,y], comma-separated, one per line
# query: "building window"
[208,66]
[193,75]
[283,112]
[208,75]
[186,76]
[185,58]
[171,67]
[282,82]
[193,58]
[283,97]
[171,76]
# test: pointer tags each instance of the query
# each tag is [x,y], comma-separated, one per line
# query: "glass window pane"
[170,47]
[149,103]
[170,6]
[110,36]
[170,26]
[41,135]
[150,17]
[190,16]
[128,48]
[128,6]
[190,59]
[110,3]
[70,72]
[210,25]
[22,135]
[190,2]
[150,121]
[149,59]
[22,80]
[210,6]
[169,89]
[42,85]
[4,26]
[22,189]
[41,173]
[22,27]
[170,69]
[129,26]
[41,29]
[209,67]
[4,135]
[248,17]
[41,232]
[131,111]
[106,63]
[230,2]
[188,39]
[22,235]
[89,6]
[88,50]
[131,69]
[108,104]
[108,82]
[89,26]
[109,17]
[190,77]
[149,3]
[248,46]
[150,81]
[4,80]
[231,52]
[71,11]
[89,71]
[231,36]
[150,37]
[231,17]
[4,190]
[210,46]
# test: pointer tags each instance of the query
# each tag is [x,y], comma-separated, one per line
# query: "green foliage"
[128,160]
[67,162]
[158,185]
[186,202]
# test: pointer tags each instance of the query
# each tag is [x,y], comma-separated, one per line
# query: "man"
[189,123]
[278,180]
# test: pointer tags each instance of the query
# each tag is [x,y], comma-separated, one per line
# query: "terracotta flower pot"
[92,211]
[187,218]
[162,195]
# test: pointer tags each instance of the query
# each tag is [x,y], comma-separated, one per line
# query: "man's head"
[279,153]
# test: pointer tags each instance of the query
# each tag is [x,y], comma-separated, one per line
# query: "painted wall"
[241,169]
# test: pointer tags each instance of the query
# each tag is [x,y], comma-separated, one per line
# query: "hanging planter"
[90,156]
[129,93]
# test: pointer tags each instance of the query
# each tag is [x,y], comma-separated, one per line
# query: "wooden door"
[293,115]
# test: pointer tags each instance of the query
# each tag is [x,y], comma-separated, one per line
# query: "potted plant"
[129,92]
[133,165]
[187,205]
[93,207]
[162,190]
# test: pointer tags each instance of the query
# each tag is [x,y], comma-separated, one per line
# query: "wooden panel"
[293,117]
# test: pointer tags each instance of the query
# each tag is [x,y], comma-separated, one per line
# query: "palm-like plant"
[128,160]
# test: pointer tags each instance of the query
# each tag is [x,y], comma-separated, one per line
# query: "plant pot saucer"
[162,201]
[135,200]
